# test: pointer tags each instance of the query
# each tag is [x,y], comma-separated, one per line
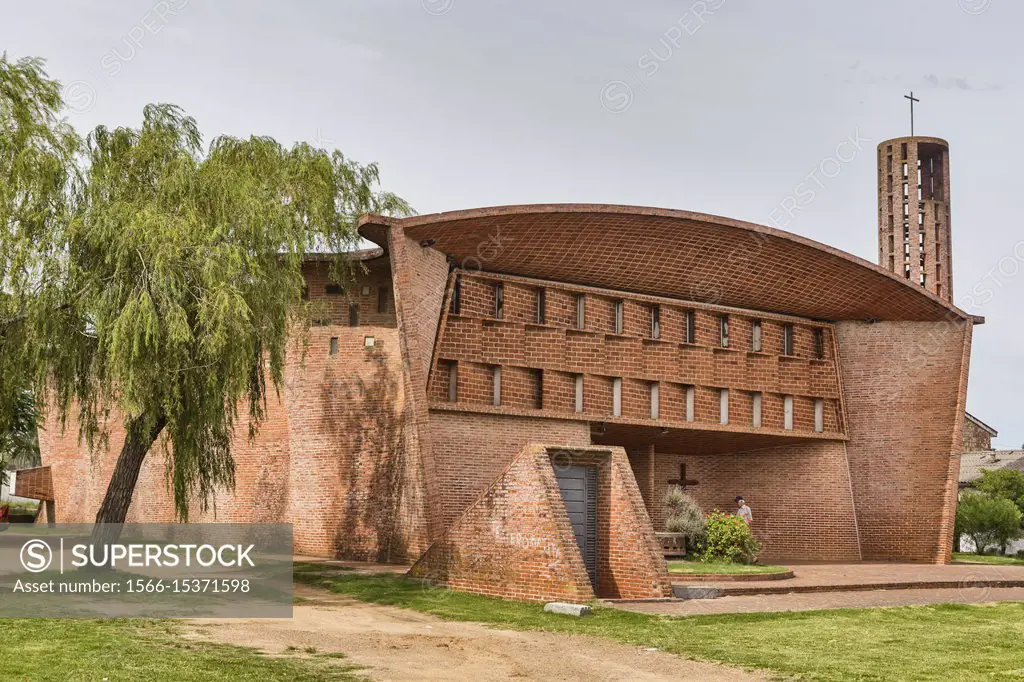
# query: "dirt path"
[400,644]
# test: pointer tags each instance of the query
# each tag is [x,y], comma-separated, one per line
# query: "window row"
[653,322]
[535,389]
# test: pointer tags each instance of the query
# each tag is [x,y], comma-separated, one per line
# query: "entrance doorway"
[578,485]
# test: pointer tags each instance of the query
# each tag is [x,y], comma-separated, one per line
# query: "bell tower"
[914,238]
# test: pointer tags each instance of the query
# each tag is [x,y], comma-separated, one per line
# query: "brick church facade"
[504,395]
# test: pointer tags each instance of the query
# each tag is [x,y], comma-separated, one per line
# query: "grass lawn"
[920,643]
[720,567]
[987,559]
[116,650]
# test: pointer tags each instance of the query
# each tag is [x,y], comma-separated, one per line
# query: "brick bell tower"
[914,238]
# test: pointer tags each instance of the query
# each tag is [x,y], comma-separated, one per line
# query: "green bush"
[683,515]
[1005,483]
[987,520]
[727,537]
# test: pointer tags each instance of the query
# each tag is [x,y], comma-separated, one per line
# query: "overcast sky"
[723,106]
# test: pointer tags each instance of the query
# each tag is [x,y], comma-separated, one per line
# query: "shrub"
[683,515]
[987,520]
[727,537]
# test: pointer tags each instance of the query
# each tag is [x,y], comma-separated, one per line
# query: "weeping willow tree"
[170,287]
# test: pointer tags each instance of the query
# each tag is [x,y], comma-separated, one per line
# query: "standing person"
[743,510]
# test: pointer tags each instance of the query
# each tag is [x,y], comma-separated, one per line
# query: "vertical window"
[499,300]
[538,386]
[496,384]
[618,308]
[691,398]
[539,302]
[755,336]
[655,321]
[655,400]
[757,398]
[581,311]
[453,382]
[819,344]
[353,315]
[382,299]
[616,397]
[579,392]
[723,330]
[334,345]
[457,296]
[788,412]
[691,326]
[819,415]
[787,339]
[723,406]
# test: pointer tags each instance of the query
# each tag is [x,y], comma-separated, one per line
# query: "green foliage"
[19,439]
[1005,483]
[683,515]
[987,520]
[727,537]
[146,273]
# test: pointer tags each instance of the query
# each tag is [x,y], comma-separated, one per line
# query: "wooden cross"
[682,481]
[912,100]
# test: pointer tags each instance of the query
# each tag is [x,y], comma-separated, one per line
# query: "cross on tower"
[682,481]
[912,100]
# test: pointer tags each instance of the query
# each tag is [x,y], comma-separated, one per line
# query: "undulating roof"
[972,463]
[679,254]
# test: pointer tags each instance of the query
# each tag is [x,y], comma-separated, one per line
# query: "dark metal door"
[578,485]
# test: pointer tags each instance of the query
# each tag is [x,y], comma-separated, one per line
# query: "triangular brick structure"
[516,541]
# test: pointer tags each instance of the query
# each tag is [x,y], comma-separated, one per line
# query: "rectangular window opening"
[496,385]
[353,315]
[334,345]
[691,399]
[756,333]
[723,330]
[656,322]
[581,311]
[756,399]
[619,315]
[787,339]
[334,290]
[723,406]
[499,300]
[616,397]
[457,296]
[787,407]
[382,299]
[540,305]
[579,393]
[655,400]
[691,327]
[453,382]
[819,415]
[819,344]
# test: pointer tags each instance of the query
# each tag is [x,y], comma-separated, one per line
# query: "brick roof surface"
[679,254]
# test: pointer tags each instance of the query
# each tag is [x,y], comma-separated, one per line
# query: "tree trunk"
[137,442]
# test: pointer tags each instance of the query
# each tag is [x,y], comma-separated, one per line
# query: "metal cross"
[912,100]
[682,481]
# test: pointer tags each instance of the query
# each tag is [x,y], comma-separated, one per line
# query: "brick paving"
[875,576]
[825,600]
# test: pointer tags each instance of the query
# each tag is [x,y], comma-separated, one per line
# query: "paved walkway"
[875,576]
[825,600]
